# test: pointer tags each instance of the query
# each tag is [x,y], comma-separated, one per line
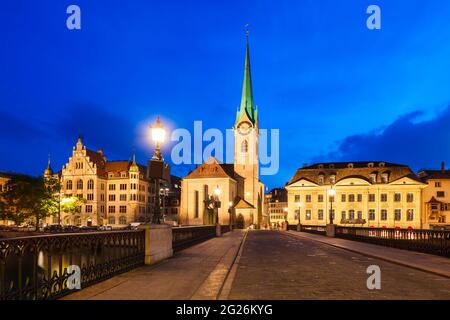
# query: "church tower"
[246,135]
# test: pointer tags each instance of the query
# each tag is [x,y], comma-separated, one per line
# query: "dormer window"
[373,177]
[384,177]
[332,179]
[320,166]
[321,178]
[350,165]
[370,165]
[381,164]
[331,166]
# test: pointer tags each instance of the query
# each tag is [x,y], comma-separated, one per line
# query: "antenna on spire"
[246,29]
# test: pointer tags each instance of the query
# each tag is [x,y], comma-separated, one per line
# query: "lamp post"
[217,193]
[230,211]
[299,226]
[331,194]
[158,135]
[59,206]
[164,192]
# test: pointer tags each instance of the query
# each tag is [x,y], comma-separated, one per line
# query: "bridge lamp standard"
[299,225]
[230,211]
[331,194]
[217,193]
[158,134]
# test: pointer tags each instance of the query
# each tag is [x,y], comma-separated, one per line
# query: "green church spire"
[247,103]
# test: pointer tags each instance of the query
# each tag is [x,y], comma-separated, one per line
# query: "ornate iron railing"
[427,241]
[183,237]
[36,268]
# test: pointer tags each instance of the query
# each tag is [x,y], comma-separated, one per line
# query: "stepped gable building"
[370,194]
[116,192]
[241,191]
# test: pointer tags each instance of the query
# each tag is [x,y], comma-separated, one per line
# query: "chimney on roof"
[443,166]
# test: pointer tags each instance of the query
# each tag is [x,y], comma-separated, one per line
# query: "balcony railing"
[36,268]
[427,241]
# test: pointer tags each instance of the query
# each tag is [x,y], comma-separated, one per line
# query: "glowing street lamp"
[158,137]
[230,212]
[331,194]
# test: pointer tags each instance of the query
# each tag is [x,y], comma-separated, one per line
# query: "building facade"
[116,193]
[241,191]
[276,207]
[367,194]
[436,198]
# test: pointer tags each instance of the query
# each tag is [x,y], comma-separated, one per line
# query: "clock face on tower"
[244,127]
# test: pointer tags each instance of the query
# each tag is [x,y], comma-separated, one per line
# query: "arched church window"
[80,184]
[69,185]
[244,146]
[90,184]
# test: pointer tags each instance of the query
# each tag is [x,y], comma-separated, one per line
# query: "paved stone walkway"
[421,261]
[194,273]
[276,265]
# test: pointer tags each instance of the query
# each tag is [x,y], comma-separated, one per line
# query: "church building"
[236,185]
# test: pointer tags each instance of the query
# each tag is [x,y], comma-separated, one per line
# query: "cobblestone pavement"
[274,265]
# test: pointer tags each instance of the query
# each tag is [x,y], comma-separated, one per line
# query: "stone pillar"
[331,230]
[158,242]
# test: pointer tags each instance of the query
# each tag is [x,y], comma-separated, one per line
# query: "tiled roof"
[116,167]
[426,175]
[361,169]
[213,169]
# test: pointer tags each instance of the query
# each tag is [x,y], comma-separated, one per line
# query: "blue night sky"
[336,90]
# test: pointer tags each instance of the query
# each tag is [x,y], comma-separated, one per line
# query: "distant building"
[368,194]
[436,198]
[276,207]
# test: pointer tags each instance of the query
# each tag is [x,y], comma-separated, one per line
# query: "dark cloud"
[419,144]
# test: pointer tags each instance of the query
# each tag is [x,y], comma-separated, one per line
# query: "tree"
[29,197]
[72,204]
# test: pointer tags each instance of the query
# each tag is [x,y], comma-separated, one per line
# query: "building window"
[122,220]
[384,178]
[308,198]
[371,197]
[69,185]
[102,197]
[297,198]
[297,213]
[112,187]
[410,215]
[440,194]
[397,197]
[321,179]
[371,214]
[343,215]
[111,220]
[320,198]
[111,209]
[383,215]
[332,179]
[133,186]
[320,214]
[373,178]
[90,196]
[351,214]
[102,209]
[383,197]
[437,184]
[410,197]
[90,184]
[112,197]
[80,184]
[88,209]
[102,186]
[351,198]
[133,197]
[244,146]
[308,214]
[359,198]
[360,215]
[123,209]
[343,198]
[398,214]
[123,186]
[77,221]
[123,197]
